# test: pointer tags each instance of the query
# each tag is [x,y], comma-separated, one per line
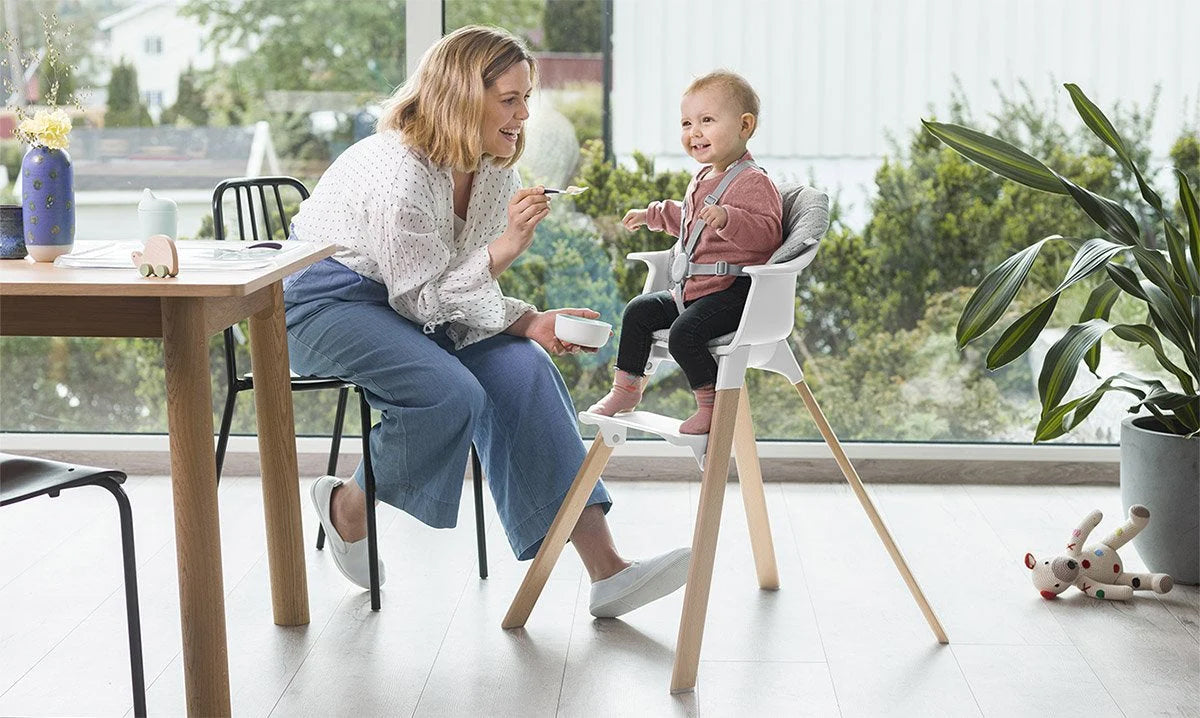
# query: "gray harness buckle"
[722,268]
[679,268]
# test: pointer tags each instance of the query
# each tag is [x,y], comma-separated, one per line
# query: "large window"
[844,86]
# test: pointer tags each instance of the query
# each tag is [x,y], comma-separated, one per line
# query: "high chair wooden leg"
[556,537]
[876,521]
[704,541]
[745,454]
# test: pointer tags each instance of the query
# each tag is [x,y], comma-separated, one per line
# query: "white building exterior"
[837,77]
[160,44]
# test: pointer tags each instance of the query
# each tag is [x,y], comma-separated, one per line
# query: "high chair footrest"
[612,430]
[664,426]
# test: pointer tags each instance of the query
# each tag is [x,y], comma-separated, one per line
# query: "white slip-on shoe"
[351,558]
[641,583]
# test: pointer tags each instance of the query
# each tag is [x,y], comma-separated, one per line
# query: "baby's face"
[711,128]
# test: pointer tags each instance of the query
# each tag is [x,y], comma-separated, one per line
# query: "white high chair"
[760,342]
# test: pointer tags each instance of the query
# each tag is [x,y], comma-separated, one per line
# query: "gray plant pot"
[1162,471]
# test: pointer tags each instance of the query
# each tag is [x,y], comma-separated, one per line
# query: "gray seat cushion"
[662,334]
[805,219]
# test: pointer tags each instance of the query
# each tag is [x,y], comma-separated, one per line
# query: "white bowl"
[584,332]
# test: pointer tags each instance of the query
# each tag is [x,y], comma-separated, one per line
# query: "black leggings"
[703,320]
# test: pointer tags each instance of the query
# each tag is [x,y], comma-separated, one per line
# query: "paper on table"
[193,255]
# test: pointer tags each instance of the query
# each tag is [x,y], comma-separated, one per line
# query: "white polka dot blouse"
[392,211]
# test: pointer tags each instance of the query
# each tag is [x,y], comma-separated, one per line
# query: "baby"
[731,218]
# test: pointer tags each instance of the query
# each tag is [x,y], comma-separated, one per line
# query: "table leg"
[277,453]
[197,524]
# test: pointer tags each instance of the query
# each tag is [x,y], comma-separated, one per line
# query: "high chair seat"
[760,342]
[662,335]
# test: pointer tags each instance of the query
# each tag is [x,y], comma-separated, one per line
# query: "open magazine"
[194,254]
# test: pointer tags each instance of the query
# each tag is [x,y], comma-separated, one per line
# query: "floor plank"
[1183,601]
[842,636]
[882,656]
[1028,681]
[1147,660]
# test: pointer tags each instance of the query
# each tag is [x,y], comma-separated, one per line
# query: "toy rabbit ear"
[1030,561]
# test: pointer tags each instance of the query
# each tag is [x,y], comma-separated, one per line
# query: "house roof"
[131,12]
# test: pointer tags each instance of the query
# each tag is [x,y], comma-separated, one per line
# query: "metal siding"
[881,65]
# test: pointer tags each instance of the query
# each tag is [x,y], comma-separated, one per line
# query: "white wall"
[836,76]
[182,44]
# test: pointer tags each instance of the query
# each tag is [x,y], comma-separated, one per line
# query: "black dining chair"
[24,477]
[256,199]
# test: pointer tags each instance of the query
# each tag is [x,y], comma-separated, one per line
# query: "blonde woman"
[429,211]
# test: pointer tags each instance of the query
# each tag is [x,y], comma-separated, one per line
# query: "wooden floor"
[841,637]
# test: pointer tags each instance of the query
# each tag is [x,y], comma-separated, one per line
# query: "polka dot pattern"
[392,211]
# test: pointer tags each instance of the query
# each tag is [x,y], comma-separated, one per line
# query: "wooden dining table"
[40,299]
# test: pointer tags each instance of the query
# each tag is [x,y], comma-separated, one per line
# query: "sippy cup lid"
[151,203]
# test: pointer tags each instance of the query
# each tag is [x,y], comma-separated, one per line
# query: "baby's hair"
[733,84]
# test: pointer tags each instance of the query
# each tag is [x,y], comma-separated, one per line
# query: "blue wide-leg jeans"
[503,393]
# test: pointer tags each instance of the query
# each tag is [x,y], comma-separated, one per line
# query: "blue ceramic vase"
[48,201]
[12,232]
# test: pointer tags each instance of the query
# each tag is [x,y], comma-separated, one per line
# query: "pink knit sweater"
[753,232]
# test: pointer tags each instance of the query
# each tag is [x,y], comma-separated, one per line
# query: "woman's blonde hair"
[440,109]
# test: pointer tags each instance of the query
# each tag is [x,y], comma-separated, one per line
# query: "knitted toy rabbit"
[1096,569]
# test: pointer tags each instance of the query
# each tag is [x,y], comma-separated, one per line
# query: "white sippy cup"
[157,215]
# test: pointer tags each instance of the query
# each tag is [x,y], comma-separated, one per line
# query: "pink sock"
[625,394]
[700,422]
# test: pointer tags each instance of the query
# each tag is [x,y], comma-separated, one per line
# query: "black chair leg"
[338,420]
[369,474]
[223,435]
[132,614]
[480,536]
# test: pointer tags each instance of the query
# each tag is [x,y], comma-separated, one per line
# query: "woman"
[429,211]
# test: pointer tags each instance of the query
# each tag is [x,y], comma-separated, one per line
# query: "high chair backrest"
[805,219]
[769,314]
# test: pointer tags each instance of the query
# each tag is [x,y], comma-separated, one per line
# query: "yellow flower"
[49,129]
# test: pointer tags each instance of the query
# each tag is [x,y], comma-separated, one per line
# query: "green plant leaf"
[1102,128]
[1062,360]
[1187,201]
[1163,317]
[1184,416]
[1185,271]
[1020,335]
[1008,161]
[1090,258]
[1145,334]
[996,155]
[993,295]
[1126,279]
[1167,301]
[1061,419]
[1157,270]
[1112,217]
[1099,304]
[1150,394]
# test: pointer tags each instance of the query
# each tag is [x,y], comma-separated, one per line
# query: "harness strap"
[685,264]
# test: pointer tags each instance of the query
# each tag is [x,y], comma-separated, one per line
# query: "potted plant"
[1160,449]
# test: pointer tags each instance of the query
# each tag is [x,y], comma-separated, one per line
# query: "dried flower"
[47,128]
